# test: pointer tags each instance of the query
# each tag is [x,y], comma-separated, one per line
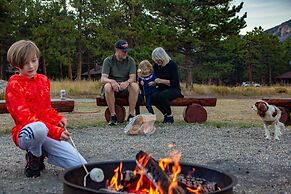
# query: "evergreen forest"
[201,36]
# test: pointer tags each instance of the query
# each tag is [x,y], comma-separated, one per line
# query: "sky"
[265,13]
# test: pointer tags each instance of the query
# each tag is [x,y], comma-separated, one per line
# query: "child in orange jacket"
[39,129]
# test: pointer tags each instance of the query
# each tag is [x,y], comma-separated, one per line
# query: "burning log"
[191,183]
[163,177]
[156,175]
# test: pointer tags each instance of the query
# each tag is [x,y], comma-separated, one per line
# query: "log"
[187,100]
[156,175]
[285,106]
[63,105]
[195,113]
[59,105]
[120,114]
[284,102]
[285,116]
[3,108]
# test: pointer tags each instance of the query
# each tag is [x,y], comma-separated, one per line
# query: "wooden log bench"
[194,111]
[285,106]
[60,105]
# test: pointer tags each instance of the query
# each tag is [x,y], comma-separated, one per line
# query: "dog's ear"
[262,108]
[275,113]
[261,113]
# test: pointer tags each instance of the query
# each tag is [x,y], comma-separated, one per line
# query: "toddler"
[146,80]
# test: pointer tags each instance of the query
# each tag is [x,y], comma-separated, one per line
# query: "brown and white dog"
[270,115]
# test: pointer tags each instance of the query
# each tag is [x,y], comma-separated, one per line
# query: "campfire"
[146,175]
[154,177]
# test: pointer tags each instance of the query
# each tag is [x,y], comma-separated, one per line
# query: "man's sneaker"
[130,116]
[168,119]
[113,120]
[32,165]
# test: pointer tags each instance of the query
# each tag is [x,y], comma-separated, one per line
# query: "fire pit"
[73,178]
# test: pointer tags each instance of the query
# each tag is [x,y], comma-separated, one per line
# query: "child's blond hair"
[20,51]
[145,64]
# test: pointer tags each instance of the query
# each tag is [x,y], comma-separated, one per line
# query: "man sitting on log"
[119,79]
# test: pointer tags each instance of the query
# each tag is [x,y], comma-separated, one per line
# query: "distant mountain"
[283,31]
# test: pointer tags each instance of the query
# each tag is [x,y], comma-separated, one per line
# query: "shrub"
[2,95]
[281,90]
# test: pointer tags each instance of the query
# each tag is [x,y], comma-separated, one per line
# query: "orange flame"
[195,191]
[114,180]
[144,185]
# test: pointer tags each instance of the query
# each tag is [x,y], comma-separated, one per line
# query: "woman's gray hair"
[160,54]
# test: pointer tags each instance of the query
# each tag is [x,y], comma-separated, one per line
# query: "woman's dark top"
[168,72]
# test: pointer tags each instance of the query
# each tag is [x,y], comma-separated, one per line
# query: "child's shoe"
[32,165]
[41,163]
[168,119]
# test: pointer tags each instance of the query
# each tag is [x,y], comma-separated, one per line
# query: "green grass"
[90,89]
[227,113]
[231,124]
[232,109]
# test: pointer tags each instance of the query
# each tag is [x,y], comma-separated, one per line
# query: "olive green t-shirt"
[118,70]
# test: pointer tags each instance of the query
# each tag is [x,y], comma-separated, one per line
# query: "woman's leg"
[156,101]
[62,153]
[162,99]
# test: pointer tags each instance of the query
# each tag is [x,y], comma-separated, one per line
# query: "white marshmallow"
[97,175]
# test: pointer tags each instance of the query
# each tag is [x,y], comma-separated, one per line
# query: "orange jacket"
[28,100]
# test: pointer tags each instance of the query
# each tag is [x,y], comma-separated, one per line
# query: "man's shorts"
[120,94]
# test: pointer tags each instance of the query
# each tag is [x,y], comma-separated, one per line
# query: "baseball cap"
[122,45]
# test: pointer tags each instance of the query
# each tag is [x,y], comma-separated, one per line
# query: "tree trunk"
[79,46]
[250,74]
[188,64]
[80,63]
[1,65]
[61,70]
[70,72]
[2,62]
[270,75]
[1,70]
[189,82]
[44,67]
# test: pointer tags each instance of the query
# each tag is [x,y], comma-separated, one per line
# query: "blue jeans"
[33,138]
[147,99]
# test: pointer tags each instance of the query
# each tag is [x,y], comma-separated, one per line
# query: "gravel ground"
[261,166]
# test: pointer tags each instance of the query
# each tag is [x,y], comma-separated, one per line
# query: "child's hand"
[65,135]
[141,83]
[152,83]
[158,81]
[63,122]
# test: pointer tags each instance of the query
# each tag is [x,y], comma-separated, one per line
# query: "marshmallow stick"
[96,174]
[86,170]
